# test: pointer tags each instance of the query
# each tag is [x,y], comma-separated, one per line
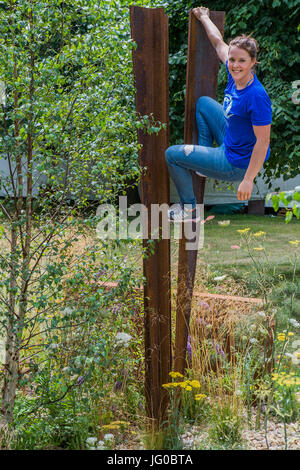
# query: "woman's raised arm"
[214,35]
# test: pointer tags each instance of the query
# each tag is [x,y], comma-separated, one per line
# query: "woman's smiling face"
[239,63]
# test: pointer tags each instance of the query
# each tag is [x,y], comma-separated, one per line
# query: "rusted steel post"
[201,80]
[149,29]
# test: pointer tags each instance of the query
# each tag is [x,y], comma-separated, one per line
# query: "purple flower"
[101,272]
[116,308]
[80,380]
[203,305]
[117,386]
[189,349]
[219,350]
[201,322]
[113,408]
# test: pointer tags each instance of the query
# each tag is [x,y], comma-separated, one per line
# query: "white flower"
[296,343]
[238,393]
[261,314]
[123,338]
[296,357]
[224,222]
[100,445]
[91,441]
[109,437]
[288,355]
[188,443]
[67,311]
[294,322]
[220,278]
[253,341]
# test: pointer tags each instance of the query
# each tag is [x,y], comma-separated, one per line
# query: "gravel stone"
[256,440]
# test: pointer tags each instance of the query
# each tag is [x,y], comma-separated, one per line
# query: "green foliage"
[286,297]
[84,380]
[286,407]
[287,198]
[226,427]
[68,130]
[82,104]
[57,428]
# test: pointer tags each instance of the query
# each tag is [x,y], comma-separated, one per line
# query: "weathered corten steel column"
[201,80]
[149,29]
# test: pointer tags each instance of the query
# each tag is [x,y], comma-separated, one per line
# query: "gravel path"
[197,438]
[273,439]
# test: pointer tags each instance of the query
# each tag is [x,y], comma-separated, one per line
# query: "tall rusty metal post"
[149,29]
[201,80]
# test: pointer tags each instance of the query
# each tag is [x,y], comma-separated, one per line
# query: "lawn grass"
[219,239]
[217,257]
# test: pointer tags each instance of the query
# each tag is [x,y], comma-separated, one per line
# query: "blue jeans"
[203,158]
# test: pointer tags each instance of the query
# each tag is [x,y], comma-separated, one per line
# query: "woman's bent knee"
[178,152]
[168,155]
[171,153]
[202,102]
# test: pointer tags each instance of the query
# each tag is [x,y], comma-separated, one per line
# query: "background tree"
[68,131]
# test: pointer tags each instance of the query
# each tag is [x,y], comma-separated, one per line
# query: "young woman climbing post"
[241,127]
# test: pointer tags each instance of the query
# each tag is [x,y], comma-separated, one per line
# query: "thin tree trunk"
[10,376]
[10,373]
[15,326]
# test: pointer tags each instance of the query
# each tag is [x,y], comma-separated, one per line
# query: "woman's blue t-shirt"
[243,109]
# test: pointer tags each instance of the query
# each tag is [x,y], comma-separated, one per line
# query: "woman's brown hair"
[249,44]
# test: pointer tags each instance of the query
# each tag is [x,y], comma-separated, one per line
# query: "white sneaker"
[179,214]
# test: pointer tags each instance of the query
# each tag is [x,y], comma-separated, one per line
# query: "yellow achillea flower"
[258,248]
[120,422]
[286,380]
[195,383]
[200,396]
[290,333]
[110,426]
[294,242]
[174,375]
[244,230]
[186,384]
[182,384]
[259,234]
[281,337]
[170,385]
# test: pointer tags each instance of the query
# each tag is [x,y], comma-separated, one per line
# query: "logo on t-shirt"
[227,105]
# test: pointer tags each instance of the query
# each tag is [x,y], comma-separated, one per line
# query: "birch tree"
[67,131]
